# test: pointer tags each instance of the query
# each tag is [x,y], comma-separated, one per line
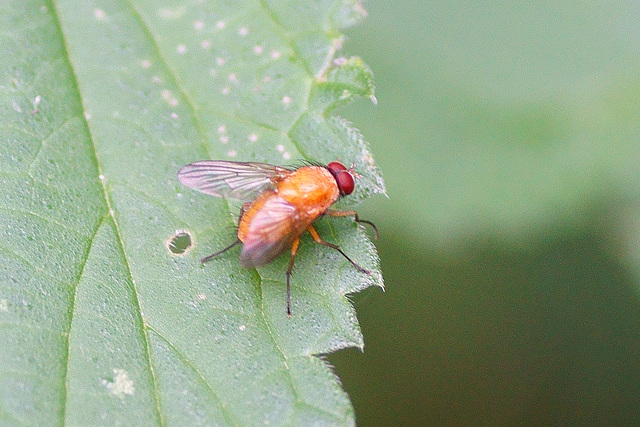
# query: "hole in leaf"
[179,243]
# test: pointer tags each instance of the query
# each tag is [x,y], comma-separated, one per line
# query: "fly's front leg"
[318,239]
[331,212]
[294,251]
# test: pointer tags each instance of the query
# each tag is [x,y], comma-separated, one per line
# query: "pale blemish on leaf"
[121,385]
[4,305]
[181,48]
[99,14]
[175,13]
[36,102]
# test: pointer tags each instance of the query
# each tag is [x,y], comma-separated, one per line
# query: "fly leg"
[294,251]
[208,258]
[319,240]
[331,212]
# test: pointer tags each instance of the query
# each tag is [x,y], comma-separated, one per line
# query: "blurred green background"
[509,137]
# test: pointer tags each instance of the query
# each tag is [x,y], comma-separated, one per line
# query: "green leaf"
[106,315]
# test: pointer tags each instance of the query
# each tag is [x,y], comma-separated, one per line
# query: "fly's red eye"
[336,167]
[346,182]
[343,177]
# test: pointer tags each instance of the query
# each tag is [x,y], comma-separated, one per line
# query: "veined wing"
[239,180]
[271,231]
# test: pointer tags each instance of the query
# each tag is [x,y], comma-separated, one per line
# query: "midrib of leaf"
[198,126]
[107,200]
[200,132]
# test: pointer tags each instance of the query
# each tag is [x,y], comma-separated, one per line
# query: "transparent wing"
[239,180]
[271,232]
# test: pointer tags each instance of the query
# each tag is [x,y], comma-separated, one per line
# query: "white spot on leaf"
[167,13]
[253,137]
[99,14]
[220,25]
[243,31]
[232,153]
[286,100]
[181,49]
[121,385]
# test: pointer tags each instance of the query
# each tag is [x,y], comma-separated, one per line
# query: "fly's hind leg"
[243,209]
[331,212]
[319,240]
[207,258]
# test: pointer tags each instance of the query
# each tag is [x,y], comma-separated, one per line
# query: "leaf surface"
[106,319]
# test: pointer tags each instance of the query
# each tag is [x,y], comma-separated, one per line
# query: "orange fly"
[279,204]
